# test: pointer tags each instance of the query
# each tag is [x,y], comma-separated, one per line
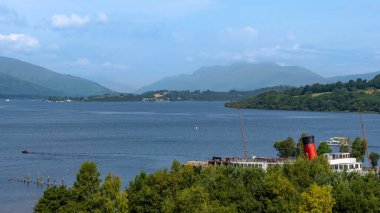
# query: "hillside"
[245,77]
[10,86]
[239,76]
[353,96]
[56,83]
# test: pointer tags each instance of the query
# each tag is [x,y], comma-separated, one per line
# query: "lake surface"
[126,138]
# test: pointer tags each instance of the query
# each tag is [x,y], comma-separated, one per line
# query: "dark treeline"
[351,96]
[305,186]
[166,95]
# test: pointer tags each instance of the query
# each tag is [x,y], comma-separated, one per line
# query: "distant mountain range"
[246,76]
[18,78]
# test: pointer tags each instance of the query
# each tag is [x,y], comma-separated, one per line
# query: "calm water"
[126,138]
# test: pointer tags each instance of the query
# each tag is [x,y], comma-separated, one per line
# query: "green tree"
[374,158]
[358,149]
[323,148]
[111,198]
[317,199]
[53,199]
[281,194]
[87,182]
[356,193]
[285,148]
[344,148]
[193,199]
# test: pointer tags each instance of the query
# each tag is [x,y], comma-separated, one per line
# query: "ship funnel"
[309,146]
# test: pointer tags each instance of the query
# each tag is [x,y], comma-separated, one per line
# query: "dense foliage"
[305,186]
[285,148]
[323,148]
[86,195]
[374,158]
[351,96]
[165,95]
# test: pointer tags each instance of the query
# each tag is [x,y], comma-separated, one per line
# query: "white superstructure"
[343,161]
[259,162]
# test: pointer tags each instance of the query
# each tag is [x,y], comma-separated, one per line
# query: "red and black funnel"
[309,146]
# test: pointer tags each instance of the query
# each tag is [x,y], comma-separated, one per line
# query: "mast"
[364,135]
[243,134]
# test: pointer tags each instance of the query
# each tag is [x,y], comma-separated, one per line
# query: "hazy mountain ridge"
[10,86]
[246,76]
[346,78]
[45,82]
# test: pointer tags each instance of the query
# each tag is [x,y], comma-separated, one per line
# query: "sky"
[125,44]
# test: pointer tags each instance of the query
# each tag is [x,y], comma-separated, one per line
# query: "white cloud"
[281,53]
[245,34]
[85,62]
[110,65]
[229,56]
[18,42]
[80,62]
[102,17]
[73,20]
[76,20]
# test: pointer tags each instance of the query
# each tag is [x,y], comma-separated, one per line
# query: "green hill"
[56,83]
[351,96]
[10,86]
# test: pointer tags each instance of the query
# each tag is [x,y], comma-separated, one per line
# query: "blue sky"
[122,42]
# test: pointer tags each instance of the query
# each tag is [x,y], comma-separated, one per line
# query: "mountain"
[246,76]
[346,78]
[238,76]
[10,86]
[43,82]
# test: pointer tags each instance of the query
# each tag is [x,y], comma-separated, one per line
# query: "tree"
[358,149]
[111,198]
[344,148]
[317,199]
[87,182]
[282,196]
[285,148]
[374,158]
[323,148]
[53,199]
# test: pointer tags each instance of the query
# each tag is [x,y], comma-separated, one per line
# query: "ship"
[338,161]
[25,151]
[338,141]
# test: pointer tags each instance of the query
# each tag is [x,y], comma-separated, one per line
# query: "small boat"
[337,141]
[25,151]
[7,100]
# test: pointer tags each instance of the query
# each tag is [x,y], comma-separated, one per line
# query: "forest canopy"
[305,186]
[353,96]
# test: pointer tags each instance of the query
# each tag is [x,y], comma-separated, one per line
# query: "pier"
[38,181]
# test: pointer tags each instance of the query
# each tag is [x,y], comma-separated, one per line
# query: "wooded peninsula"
[353,96]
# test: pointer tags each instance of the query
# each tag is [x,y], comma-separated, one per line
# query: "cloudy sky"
[122,42]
